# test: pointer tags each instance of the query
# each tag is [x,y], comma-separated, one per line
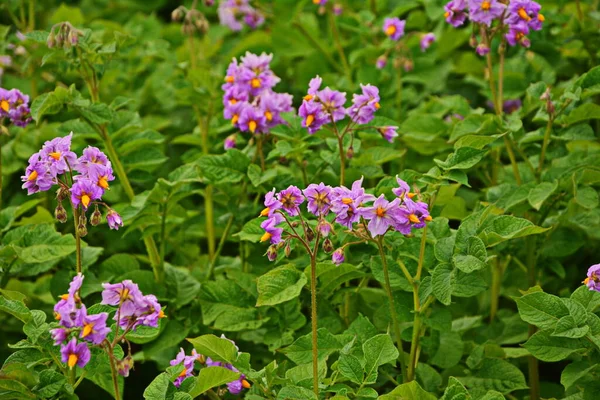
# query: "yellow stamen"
[124,294]
[446,14]
[316,1]
[57,316]
[411,195]
[232,101]
[235,119]
[246,384]
[377,106]
[72,360]
[380,212]
[32,176]
[252,126]
[486,5]
[64,296]
[265,237]
[428,218]
[4,105]
[268,116]
[183,373]
[541,18]
[87,329]
[264,212]
[523,14]
[390,30]
[255,83]
[229,79]
[161,314]
[414,219]
[347,200]
[85,200]
[309,120]
[103,182]
[55,155]
[308,97]
[586,280]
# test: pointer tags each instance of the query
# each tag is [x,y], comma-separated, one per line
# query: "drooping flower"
[272,232]
[364,105]
[271,204]
[37,176]
[381,62]
[418,212]
[427,40]
[150,311]
[381,215]
[290,199]
[114,220]
[394,28]
[512,105]
[388,132]
[455,12]
[593,278]
[482,49]
[59,335]
[318,198]
[338,256]
[75,354]
[485,11]
[93,327]
[124,366]
[233,13]
[188,366]
[517,35]
[229,142]
[84,192]
[59,155]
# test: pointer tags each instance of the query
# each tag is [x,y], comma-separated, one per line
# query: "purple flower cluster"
[349,205]
[134,309]
[56,159]
[235,387]
[249,100]
[394,28]
[14,105]
[323,106]
[593,278]
[77,324]
[519,16]
[235,13]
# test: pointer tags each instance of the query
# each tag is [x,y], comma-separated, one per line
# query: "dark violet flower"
[427,40]
[37,176]
[394,28]
[485,11]
[75,354]
[271,204]
[511,106]
[482,49]
[525,12]
[338,256]
[120,293]
[58,153]
[59,335]
[93,327]
[290,199]
[252,119]
[381,62]
[455,12]
[84,191]
[188,366]
[313,116]
[318,198]
[272,232]
[114,220]
[517,35]
[229,142]
[388,132]
[381,215]
[593,278]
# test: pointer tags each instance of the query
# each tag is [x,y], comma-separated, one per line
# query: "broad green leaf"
[210,377]
[441,282]
[590,299]
[350,367]
[455,391]
[449,349]
[295,393]
[575,371]
[475,257]
[462,158]
[378,350]
[568,327]
[12,389]
[541,309]
[252,232]
[219,349]
[540,193]
[300,351]
[408,391]
[587,197]
[507,227]
[51,382]
[15,308]
[496,374]
[280,285]
[227,168]
[544,346]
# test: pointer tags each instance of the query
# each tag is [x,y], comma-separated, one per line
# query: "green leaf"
[295,393]
[15,308]
[280,285]
[575,371]
[441,282]
[496,374]
[545,347]
[332,276]
[540,193]
[408,391]
[300,351]
[541,309]
[38,36]
[455,390]
[210,377]
[587,197]
[218,349]
[462,158]
[590,299]
[474,258]
[45,104]
[252,232]
[230,167]
[161,387]
[12,389]
[51,382]
[583,113]
[568,327]
[351,368]
[378,350]
[449,349]
[506,227]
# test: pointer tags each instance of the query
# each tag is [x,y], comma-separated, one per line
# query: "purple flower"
[120,293]
[229,142]
[94,327]
[37,176]
[58,153]
[381,215]
[525,12]
[188,366]
[272,232]
[482,49]
[84,191]
[388,132]
[403,189]
[485,11]
[427,40]
[313,86]
[150,311]
[59,335]
[6,101]
[510,106]
[66,309]
[254,18]
[517,35]
[364,105]
[346,203]
[593,278]
[234,111]
[394,28]
[381,62]
[318,198]
[75,354]
[417,212]
[319,2]
[338,256]
[290,199]
[338,9]
[313,116]
[455,12]
[114,220]
[233,12]
[271,204]
[252,119]
[272,104]
[234,94]
[333,103]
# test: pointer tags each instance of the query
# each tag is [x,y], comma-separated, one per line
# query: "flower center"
[380,212]
[232,101]
[252,126]
[321,199]
[161,314]
[347,200]
[308,97]
[255,83]
[523,14]
[245,383]
[229,79]
[265,212]
[32,176]
[541,18]
[103,182]
[268,116]
[446,14]
[183,373]
[235,119]
[85,199]
[377,106]
[519,35]
[414,219]
[4,105]
[72,360]
[266,236]
[87,329]
[309,120]
[390,30]
[55,155]
[124,294]
[428,218]
[486,5]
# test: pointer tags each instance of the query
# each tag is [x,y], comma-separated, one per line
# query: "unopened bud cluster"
[63,35]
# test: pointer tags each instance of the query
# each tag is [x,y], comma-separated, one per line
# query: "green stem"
[579,12]
[492,83]
[77,240]
[497,272]
[534,379]
[1,180]
[163,231]
[80,379]
[547,134]
[373,5]
[31,15]
[388,289]
[416,334]
[342,159]
[220,247]
[399,93]
[318,46]
[338,45]
[113,372]
[313,307]
[210,220]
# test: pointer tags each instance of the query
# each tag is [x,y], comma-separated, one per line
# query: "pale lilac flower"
[394,28]
[333,103]
[517,35]
[272,232]
[381,215]
[188,366]
[593,278]
[93,327]
[84,192]
[482,49]
[290,199]
[313,116]
[120,293]
[318,198]
[485,11]
[59,155]
[388,132]
[381,62]
[455,12]
[114,220]
[59,335]
[271,204]
[37,176]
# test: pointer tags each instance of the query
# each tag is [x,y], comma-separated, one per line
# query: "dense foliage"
[290,199]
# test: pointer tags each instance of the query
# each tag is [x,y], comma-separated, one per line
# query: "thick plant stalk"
[77,240]
[340,139]
[313,309]
[534,378]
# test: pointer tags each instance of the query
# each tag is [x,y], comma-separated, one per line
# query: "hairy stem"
[77,239]
[388,289]
[340,139]
[547,134]
[416,334]
[313,308]
[497,273]
[534,379]
[113,372]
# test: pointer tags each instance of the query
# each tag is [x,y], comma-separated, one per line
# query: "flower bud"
[209,3]
[73,37]
[60,213]
[338,9]
[272,253]
[473,41]
[310,234]
[546,95]
[550,109]
[82,225]
[177,14]
[408,65]
[96,217]
[51,41]
[61,194]
[202,25]
[338,256]
[124,365]
[381,62]
[324,228]
[350,153]
[327,246]
[288,249]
